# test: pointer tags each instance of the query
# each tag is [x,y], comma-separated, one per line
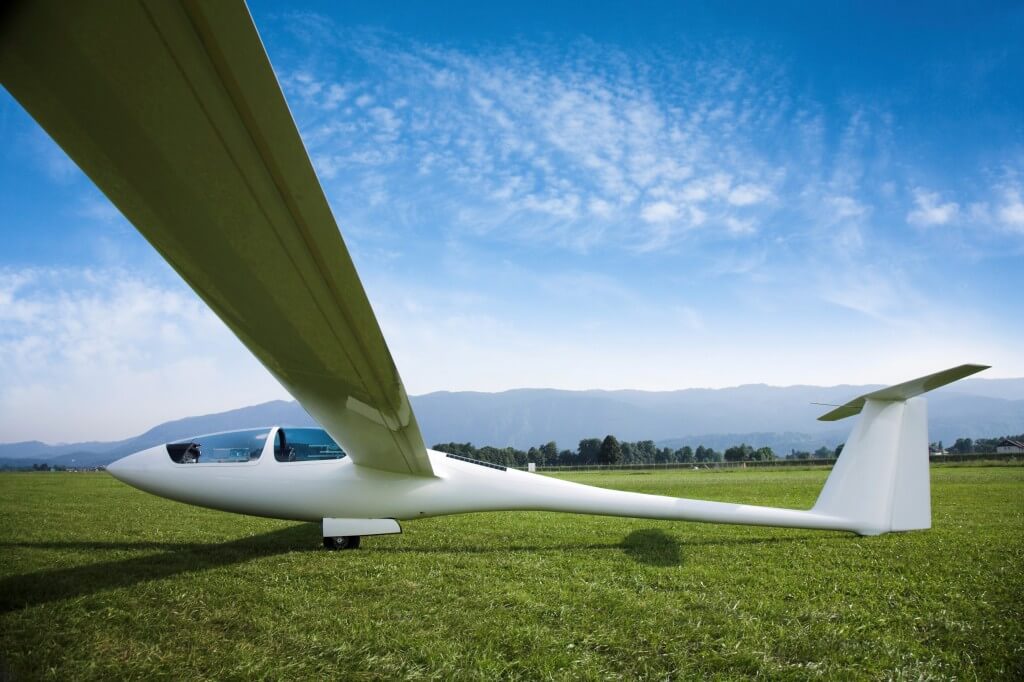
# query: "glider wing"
[173,110]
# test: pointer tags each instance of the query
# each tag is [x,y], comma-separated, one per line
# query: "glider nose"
[131,469]
[122,469]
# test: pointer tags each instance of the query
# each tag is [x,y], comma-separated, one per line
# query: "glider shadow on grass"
[22,591]
[653,547]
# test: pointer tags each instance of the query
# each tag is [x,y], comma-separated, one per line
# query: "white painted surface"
[880,483]
[337,528]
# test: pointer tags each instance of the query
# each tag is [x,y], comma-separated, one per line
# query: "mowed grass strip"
[98,580]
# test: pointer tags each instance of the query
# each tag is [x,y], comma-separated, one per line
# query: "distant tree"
[765,454]
[646,451]
[533,455]
[684,454]
[628,452]
[839,449]
[823,453]
[566,458]
[589,450]
[703,454]
[464,449]
[610,452]
[963,446]
[986,444]
[739,453]
[549,452]
[490,454]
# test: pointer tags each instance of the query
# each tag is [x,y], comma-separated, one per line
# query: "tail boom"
[879,484]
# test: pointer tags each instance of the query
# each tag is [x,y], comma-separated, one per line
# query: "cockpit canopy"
[299,444]
[304,445]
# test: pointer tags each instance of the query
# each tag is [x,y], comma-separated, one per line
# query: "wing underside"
[173,110]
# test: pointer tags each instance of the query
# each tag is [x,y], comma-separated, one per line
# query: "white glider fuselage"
[340,488]
[879,484]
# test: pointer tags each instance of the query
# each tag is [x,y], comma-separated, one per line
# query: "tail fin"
[880,482]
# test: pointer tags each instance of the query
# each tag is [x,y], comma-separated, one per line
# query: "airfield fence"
[812,462]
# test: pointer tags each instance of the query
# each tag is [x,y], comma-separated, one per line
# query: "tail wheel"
[342,542]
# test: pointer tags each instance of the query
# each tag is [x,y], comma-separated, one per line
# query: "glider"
[173,110]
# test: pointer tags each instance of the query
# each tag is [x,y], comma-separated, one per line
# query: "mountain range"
[783,418]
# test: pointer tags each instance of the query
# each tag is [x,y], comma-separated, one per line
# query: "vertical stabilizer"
[880,482]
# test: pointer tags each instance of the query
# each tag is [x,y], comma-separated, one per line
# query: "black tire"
[342,542]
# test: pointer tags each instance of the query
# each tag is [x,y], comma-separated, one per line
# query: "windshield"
[304,445]
[220,448]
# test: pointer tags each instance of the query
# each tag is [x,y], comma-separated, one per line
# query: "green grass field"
[102,581]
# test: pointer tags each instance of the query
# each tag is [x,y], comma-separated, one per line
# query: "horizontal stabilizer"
[904,391]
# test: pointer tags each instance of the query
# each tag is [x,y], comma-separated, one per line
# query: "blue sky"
[646,195]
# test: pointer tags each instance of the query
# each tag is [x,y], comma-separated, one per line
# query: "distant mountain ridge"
[781,417]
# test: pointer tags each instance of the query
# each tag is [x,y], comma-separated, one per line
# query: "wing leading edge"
[173,110]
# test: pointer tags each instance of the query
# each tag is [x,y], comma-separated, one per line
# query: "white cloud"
[306,85]
[695,191]
[879,293]
[535,149]
[600,207]
[740,227]
[335,95]
[1011,211]
[746,195]
[660,212]
[566,207]
[98,208]
[116,352]
[50,158]
[845,207]
[930,209]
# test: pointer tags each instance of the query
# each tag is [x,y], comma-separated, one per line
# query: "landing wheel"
[343,542]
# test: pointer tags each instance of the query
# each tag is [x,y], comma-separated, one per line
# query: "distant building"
[1009,447]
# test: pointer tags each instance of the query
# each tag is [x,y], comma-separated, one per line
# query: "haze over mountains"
[780,417]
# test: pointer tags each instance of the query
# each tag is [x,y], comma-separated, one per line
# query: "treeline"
[39,466]
[967,446]
[611,450]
